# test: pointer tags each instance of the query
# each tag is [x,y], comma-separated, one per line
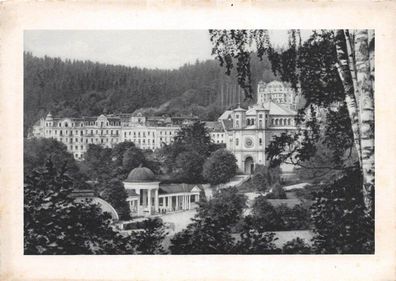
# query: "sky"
[163,49]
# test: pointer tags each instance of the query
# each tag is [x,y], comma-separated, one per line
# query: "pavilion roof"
[176,188]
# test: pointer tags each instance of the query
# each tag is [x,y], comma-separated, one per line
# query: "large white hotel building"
[245,132]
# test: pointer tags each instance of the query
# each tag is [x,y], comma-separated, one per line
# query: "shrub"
[277,192]
[220,167]
[265,215]
[279,218]
[265,177]
[338,215]
[296,246]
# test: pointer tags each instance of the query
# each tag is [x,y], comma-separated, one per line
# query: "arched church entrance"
[249,165]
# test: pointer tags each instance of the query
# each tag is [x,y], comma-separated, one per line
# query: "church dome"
[141,174]
[275,85]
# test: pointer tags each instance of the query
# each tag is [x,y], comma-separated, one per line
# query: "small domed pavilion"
[147,197]
[142,188]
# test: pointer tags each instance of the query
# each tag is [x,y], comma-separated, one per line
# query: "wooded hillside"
[74,88]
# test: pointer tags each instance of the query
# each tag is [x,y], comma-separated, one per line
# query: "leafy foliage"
[296,246]
[189,166]
[210,233]
[55,224]
[186,155]
[149,240]
[115,193]
[234,47]
[97,161]
[265,215]
[226,206]
[265,177]
[340,223]
[220,167]
[37,151]
[255,240]
[270,218]
[132,158]
[205,236]
[277,192]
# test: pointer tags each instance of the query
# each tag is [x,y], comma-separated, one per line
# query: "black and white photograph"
[199,142]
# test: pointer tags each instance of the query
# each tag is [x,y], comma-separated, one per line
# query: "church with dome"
[147,196]
[248,131]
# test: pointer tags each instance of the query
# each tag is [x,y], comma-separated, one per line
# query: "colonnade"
[149,202]
[175,202]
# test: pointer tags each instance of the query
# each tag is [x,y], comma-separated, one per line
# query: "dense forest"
[82,88]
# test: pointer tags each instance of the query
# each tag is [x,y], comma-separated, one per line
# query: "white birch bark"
[344,71]
[366,110]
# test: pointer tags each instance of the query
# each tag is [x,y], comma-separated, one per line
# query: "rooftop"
[176,188]
[141,174]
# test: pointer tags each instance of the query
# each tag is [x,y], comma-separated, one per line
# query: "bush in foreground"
[220,167]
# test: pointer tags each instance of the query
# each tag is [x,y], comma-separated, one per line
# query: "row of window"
[81,132]
[282,121]
[217,135]
[87,140]
[142,141]
[86,123]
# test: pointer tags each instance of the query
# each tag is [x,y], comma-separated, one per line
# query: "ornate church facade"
[247,132]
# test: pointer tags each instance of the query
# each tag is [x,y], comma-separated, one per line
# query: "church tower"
[262,113]
[261,92]
[239,117]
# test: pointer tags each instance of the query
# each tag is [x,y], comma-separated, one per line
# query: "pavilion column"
[144,197]
[156,199]
[189,202]
[138,192]
[177,203]
[149,200]
[185,202]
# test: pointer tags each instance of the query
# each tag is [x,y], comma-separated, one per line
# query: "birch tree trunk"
[366,109]
[354,59]
[345,73]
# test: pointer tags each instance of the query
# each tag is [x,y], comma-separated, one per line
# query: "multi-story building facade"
[78,133]
[278,92]
[245,132]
